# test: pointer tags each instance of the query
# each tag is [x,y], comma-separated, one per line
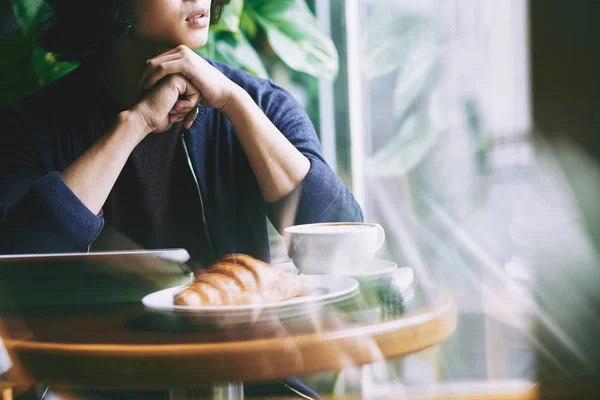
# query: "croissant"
[238,279]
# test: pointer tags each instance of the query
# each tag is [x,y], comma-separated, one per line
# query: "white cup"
[333,248]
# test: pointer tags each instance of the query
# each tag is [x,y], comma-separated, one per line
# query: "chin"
[196,45]
[195,41]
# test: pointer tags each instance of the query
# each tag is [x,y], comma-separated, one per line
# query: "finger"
[192,93]
[176,118]
[183,106]
[177,113]
[162,70]
[187,91]
[181,111]
[174,50]
[190,118]
[163,126]
[154,63]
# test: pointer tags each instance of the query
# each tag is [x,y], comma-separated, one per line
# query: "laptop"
[90,278]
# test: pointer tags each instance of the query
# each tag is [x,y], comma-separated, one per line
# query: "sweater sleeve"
[38,211]
[321,196]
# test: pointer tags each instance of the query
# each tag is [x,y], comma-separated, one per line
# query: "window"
[431,121]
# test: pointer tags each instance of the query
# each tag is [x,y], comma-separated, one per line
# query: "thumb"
[190,118]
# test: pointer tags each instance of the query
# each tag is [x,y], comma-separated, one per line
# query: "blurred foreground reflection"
[129,346]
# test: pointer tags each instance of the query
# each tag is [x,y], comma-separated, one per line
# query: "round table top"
[125,345]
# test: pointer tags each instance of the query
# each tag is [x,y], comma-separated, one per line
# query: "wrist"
[133,124]
[236,97]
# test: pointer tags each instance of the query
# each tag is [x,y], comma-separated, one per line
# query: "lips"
[197,15]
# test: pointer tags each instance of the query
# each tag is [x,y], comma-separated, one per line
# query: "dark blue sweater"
[44,133]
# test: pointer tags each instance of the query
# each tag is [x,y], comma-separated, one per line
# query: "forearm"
[92,176]
[278,166]
[48,218]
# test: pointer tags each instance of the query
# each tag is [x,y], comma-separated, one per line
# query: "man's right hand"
[92,176]
[173,99]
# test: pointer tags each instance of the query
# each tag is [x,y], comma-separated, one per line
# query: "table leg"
[7,394]
[366,382]
[379,380]
[224,391]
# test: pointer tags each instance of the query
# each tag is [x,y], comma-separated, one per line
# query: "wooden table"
[125,346]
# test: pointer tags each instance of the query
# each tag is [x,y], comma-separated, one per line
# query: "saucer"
[377,269]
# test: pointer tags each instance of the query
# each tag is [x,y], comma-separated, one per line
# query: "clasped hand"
[177,81]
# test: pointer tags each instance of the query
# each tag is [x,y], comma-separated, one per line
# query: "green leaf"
[413,79]
[18,78]
[230,18]
[203,51]
[406,149]
[29,13]
[392,35]
[295,36]
[239,53]
[339,384]
[234,50]
[247,25]
[403,40]
[46,68]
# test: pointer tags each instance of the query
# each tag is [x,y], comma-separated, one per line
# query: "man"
[168,148]
[157,143]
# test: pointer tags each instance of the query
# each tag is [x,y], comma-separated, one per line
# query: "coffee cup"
[333,248]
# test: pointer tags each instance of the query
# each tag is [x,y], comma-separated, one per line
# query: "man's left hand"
[215,88]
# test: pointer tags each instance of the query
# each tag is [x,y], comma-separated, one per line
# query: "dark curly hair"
[84,30]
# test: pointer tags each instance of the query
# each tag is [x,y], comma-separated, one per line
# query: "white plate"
[326,288]
[376,269]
